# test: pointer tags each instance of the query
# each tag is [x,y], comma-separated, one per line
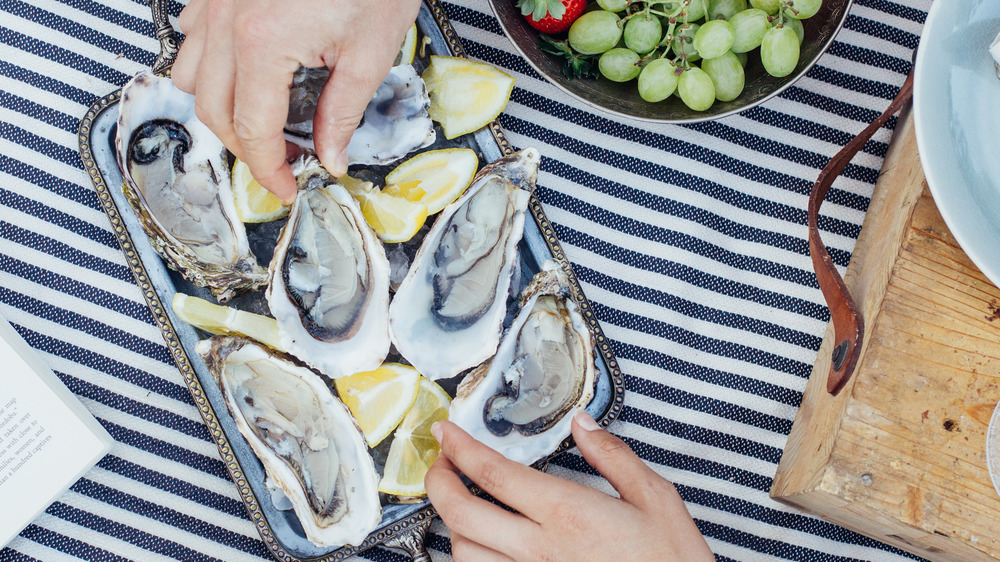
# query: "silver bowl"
[623,99]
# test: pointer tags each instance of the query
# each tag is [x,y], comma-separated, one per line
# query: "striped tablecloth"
[689,240]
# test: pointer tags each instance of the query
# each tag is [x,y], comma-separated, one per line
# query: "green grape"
[769,6]
[613,5]
[657,80]
[743,59]
[749,27]
[802,9]
[725,9]
[595,32]
[696,10]
[780,51]
[619,65]
[713,39]
[727,76]
[684,41]
[797,26]
[642,33]
[696,89]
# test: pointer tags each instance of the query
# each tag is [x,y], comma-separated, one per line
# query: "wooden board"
[899,455]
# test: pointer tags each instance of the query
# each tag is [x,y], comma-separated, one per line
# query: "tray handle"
[848,324]
[411,541]
[169,43]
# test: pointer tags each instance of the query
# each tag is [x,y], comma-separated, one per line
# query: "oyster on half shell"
[521,402]
[448,312]
[177,181]
[395,123]
[329,288]
[310,446]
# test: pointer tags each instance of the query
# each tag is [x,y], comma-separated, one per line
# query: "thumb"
[635,482]
[340,108]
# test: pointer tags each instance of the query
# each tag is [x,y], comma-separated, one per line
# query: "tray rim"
[399,530]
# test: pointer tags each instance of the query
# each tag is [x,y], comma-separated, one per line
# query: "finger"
[185,69]
[635,482]
[521,487]
[190,16]
[465,549]
[353,81]
[473,518]
[216,79]
[260,109]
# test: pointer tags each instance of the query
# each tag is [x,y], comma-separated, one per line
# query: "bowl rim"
[795,78]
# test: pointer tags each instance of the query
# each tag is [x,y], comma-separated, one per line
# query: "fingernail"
[340,164]
[584,420]
[436,431]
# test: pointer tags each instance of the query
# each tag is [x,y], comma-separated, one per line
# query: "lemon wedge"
[394,219]
[413,448]
[379,399]
[218,319]
[465,94]
[408,50]
[434,178]
[253,202]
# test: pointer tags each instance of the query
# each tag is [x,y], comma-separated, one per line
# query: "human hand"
[239,57]
[559,519]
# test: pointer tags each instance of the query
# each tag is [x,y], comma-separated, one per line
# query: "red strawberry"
[551,16]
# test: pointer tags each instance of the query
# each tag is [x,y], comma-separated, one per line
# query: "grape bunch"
[696,49]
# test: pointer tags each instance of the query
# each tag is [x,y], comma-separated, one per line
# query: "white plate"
[956,104]
[993,449]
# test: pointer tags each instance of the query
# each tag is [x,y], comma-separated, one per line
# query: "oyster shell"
[521,403]
[447,314]
[329,288]
[177,182]
[394,124]
[310,446]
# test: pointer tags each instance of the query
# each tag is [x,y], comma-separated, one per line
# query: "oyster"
[310,446]
[329,288]
[447,314]
[394,124]
[521,403]
[177,182]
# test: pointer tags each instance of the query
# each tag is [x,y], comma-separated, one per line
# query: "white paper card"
[48,440]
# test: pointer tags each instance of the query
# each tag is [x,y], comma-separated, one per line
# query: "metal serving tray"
[403,526]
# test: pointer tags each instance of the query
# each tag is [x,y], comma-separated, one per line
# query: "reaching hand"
[559,519]
[239,57]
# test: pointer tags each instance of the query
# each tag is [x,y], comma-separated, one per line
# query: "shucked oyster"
[309,444]
[177,182]
[447,314]
[395,122]
[329,288]
[521,403]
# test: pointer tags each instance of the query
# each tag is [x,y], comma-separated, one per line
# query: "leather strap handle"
[848,325]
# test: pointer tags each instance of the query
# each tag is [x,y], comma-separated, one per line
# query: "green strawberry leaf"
[575,65]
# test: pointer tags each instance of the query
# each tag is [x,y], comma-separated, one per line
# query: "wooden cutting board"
[899,455]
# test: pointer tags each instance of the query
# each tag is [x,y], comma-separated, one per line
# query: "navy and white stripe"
[689,240]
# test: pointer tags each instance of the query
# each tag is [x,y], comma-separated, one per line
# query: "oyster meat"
[329,288]
[447,314]
[521,403]
[394,124]
[177,182]
[310,446]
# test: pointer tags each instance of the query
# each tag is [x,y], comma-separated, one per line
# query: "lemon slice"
[379,399]
[253,202]
[413,448]
[394,219]
[465,94]
[434,178]
[219,319]
[408,50]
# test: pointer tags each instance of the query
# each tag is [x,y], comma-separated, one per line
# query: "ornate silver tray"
[403,526]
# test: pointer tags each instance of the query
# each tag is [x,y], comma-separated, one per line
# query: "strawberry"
[551,16]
